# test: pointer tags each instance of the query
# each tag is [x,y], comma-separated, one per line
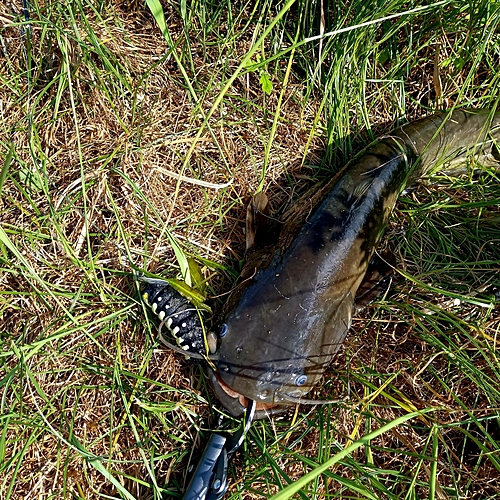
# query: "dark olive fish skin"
[295,314]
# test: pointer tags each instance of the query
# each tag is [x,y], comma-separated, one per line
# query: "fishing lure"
[209,480]
[177,313]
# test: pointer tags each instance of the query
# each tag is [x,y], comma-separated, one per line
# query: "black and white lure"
[177,313]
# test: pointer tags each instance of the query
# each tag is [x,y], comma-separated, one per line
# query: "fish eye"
[300,380]
[263,394]
[224,368]
[223,331]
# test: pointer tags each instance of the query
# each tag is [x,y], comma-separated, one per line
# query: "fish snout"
[254,382]
[274,387]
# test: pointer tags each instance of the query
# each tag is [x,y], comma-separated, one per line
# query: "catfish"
[295,310]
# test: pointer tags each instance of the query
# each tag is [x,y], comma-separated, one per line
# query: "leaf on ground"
[266,83]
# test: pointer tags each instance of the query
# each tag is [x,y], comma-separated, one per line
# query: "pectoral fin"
[257,222]
[376,282]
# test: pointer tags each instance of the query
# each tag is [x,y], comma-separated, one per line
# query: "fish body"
[296,312]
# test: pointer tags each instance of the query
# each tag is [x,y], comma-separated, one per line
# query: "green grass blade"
[303,481]
[6,165]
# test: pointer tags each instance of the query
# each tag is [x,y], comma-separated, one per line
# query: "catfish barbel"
[296,312]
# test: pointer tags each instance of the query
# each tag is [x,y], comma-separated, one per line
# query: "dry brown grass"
[81,399]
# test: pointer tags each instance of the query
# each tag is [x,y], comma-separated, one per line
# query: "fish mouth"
[236,404]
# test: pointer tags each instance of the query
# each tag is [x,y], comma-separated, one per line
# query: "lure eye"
[300,380]
[223,331]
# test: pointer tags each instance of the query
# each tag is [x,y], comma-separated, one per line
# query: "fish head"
[276,355]
[273,375]
[285,328]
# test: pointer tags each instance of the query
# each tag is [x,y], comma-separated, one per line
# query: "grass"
[97,103]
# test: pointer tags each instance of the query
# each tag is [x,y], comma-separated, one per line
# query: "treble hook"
[209,481]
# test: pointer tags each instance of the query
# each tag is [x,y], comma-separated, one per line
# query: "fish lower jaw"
[243,400]
[236,403]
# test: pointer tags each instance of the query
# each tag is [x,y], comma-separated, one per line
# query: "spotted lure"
[178,314]
[297,309]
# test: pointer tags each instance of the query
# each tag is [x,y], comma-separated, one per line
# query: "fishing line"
[249,414]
